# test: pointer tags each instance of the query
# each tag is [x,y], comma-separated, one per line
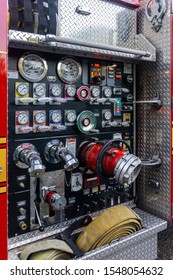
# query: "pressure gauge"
[69,70]
[107,115]
[107,92]
[71,91]
[71,116]
[22,118]
[56,117]
[39,89]
[32,67]
[40,117]
[95,92]
[56,90]
[23,89]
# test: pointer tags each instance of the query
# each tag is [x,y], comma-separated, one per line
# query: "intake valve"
[26,156]
[55,200]
[103,158]
[56,152]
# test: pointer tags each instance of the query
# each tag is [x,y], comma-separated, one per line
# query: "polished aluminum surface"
[153,126]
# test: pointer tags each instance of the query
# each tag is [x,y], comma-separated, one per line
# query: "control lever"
[43,128]
[156,102]
[26,156]
[94,130]
[59,100]
[58,127]
[99,100]
[56,152]
[26,100]
[153,183]
[44,99]
[41,227]
[154,161]
[25,129]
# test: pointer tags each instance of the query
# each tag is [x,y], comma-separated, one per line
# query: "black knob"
[102,202]
[110,201]
[129,97]
[41,228]
[86,208]
[94,205]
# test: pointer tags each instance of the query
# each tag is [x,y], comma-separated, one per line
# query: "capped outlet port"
[23,225]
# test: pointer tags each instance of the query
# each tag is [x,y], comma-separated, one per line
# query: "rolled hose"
[47,250]
[116,222]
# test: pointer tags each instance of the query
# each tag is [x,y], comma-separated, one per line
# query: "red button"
[118,76]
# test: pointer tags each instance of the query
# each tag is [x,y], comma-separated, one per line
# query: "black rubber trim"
[28,16]
[13,7]
[66,235]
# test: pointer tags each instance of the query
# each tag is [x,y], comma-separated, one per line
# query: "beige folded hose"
[114,223]
[47,250]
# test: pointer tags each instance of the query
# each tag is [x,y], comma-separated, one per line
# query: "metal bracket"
[154,161]
[83,10]
[155,10]
[0,169]
[156,103]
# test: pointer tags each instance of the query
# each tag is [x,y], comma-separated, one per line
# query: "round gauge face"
[71,91]
[107,115]
[95,92]
[40,90]
[107,92]
[69,70]
[23,89]
[56,90]
[22,118]
[32,67]
[40,117]
[71,116]
[56,117]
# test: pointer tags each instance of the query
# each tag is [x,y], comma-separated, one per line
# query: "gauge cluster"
[64,87]
[58,98]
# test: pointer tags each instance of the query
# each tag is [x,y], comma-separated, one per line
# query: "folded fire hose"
[115,223]
[47,250]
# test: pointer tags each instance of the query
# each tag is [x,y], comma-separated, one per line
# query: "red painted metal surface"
[3,226]
[3,94]
[111,159]
[89,155]
[3,126]
[92,155]
[3,26]
[135,3]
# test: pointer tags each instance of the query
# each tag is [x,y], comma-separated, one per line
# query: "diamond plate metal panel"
[153,127]
[107,23]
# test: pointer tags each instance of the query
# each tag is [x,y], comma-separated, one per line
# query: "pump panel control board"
[57,103]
